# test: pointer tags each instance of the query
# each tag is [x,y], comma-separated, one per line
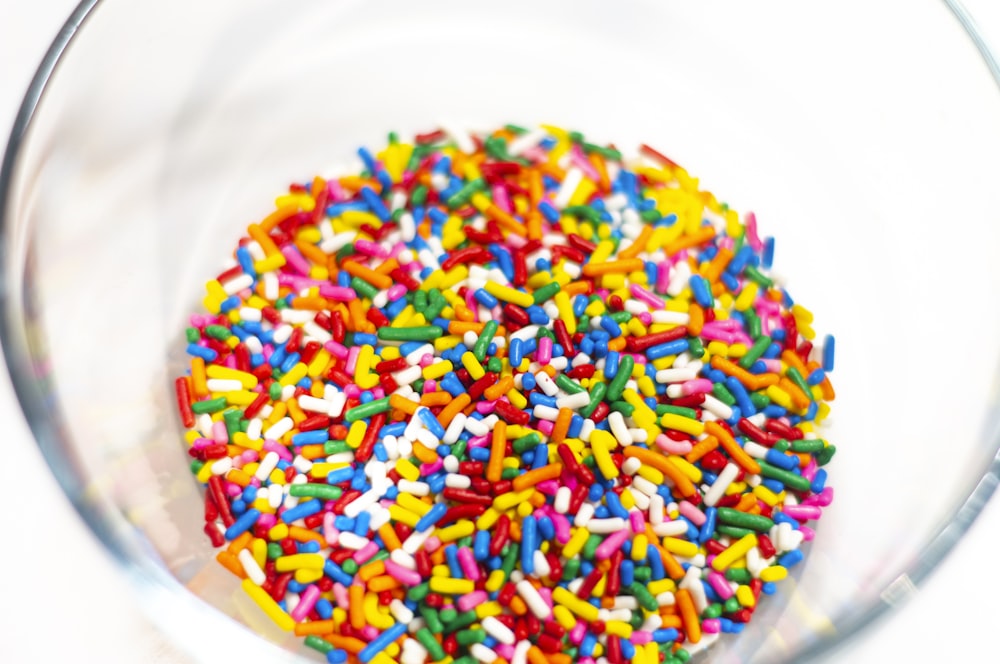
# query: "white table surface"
[62,600]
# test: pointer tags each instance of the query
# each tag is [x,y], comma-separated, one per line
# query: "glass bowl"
[154,132]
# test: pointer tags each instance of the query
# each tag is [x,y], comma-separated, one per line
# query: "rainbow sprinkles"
[506,398]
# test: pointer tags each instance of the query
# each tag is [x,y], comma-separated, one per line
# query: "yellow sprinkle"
[298,372]
[602,442]
[618,628]
[773,573]
[487,519]
[356,434]
[682,424]
[403,515]
[448,586]
[472,365]
[489,609]
[680,547]
[437,370]
[247,380]
[640,547]
[576,542]
[407,470]
[506,501]
[745,597]
[412,503]
[299,561]
[269,263]
[508,294]
[564,617]
[585,610]
[734,552]
[458,531]
[495,581]
[305,576]
[268,605]
[375,614]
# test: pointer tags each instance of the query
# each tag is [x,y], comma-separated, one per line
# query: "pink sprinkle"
[809,472]
[279,449]
[307,600]
[364,553]
[340,595]
[267,522]
[711,626]
[352,360]
[691,513]
[662,276]
[696,386]
[577,633]
[338,293]
[334,191]
[545,427]
[430,386]
[336,349]
[644,296]
[248,456]
[479,441]
[431,468]
[641,637]
[230,361]
[544,353]
[432,544]
[504,650]
[638,521]
[472,600]
[378,393]
[219,433]
[803,512]
[548,487]
[330,532]
[772,365]
[426,360]
[561,524]
[671,446]
[369,633]
[720,585]
[295,260]
[486,407]
[395,292]
[611,543]
[580,161]
[807,533]
[546,595]
[233,489]
[405,576]
[469,566]
[716,334]
[751,232]
[501,199]
[352,391]
[370,248]
[645,318]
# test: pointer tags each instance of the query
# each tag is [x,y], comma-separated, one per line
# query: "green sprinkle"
[219,332]
[363,288]
[651,215]
[786,477]
[335,447]
[592,215]
[274,551]
[754,352]
[321,491]
[590,547]
[696,348]
[617,384]
[316,643]
[485,339]
[431,619]
[732,605]
[568,385]
[274,391]
[366,410]
[713,610]
[733,531]
[416,333]
[192,335]
[623,407]
[196,465]
[509,473]
[597,394]
[427,640]
[526,443]
[419,195]
[642,595]
[753,274]
[210,406]
[824,456]
[494,364]
[350,567]
[808,445]
[720,392]
[740,519]
[462,196]
[543,294]
[571,569]
[663,409]
[739,575]
[419,592]
[760,400]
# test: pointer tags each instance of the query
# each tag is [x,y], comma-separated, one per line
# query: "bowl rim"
[149,577]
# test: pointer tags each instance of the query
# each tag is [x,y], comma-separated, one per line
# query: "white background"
[61,599]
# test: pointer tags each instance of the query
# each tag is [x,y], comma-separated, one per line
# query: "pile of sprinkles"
[506,398]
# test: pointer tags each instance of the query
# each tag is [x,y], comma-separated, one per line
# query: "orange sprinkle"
[732,448]
[665,466]
[700,236]
[295,412]
[505,220]
[622,266]
[453,408]
[461,327]
[399,402]
[576,288]
[383,583]
[536,656]
[389,537]
[713,269]
[533,477]
[603,181]
[278,216]
[561,426]
[701,448]
[349,643]
[432,399]
[261,237]
[617,344]
[231,562]
[494,392]
[311,252]
[310,303]
[240,543]
[518,606]
[312,451]
[387,266]
[424,453]
[799,398]
[376,279]
[199,379]
[498,447]
[355,605]
[371,570]
[689,615]
[696,320]
[300,534]
[316,627]
[638,245]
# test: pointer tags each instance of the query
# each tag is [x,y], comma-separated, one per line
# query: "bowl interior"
[855,149]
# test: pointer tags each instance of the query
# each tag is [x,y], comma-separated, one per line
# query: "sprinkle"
[531,400]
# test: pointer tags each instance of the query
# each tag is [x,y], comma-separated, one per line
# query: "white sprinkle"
[722,482]
[250,566]
[605,526]
[352,541]
[574,176]
[279,428]
[267,466]
[534,601]
[498,630]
